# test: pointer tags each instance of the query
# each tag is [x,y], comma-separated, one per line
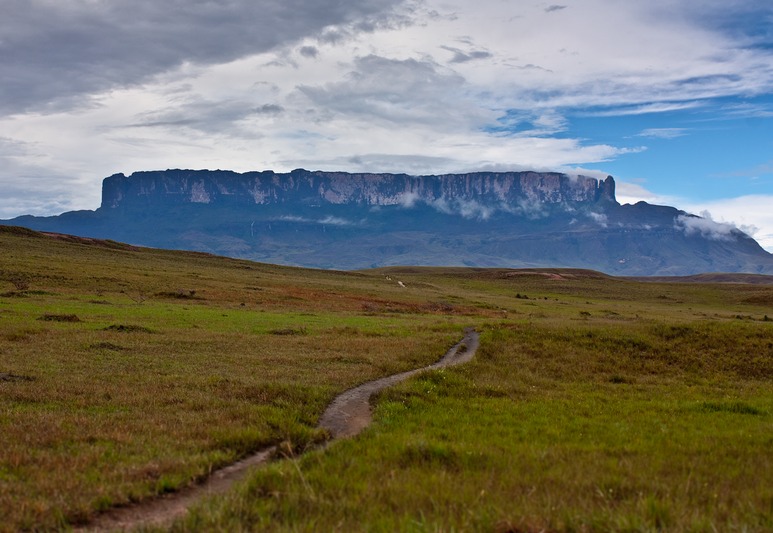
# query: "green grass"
[594,403]
[547,430]
[120,397]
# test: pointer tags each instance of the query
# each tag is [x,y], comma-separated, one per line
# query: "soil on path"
[346,416]
[350,412]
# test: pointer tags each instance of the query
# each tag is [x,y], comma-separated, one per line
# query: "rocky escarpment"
[339,188]
[349,221]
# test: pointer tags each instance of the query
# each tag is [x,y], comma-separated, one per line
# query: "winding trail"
[347,415]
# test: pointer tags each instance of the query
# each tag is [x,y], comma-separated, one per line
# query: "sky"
[674,98]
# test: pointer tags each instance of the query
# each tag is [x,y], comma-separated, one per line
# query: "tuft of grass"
[290,331]
[741,408]
[14,378]
[51,317]
[107,346]
[128,328]
[429,456]
[179,294]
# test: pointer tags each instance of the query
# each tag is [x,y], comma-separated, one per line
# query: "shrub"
[48,317]
[20,282]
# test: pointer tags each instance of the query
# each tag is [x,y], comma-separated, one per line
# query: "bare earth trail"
[346,416]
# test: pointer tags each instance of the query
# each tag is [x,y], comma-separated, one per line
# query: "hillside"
[127,373]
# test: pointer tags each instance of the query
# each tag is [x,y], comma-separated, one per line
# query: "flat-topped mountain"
[339,188]
[348,221]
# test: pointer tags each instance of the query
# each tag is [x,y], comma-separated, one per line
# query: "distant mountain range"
[351,221]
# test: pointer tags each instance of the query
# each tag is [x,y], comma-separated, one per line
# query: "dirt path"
[350,412]
[346,416]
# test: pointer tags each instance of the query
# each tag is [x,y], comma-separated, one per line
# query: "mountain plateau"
[350,221]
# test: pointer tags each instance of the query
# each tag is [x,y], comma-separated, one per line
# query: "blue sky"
[724,145]
[674,98]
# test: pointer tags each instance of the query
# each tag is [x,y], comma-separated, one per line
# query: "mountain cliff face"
[349,221]
[338,188]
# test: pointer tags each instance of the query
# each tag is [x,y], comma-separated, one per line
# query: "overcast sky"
[674,98]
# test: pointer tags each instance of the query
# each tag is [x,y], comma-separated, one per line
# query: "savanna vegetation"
[593,404]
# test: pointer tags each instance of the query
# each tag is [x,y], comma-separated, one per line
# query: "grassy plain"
[594,403]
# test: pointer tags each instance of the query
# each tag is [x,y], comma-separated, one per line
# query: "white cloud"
[409,199]
[644,109]
[336,221]
[328,220]
[599,218]
[752,214]
[705,227]
[663,133]
[466,208]
[631,192]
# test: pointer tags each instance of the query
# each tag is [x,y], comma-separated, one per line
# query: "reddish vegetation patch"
[548,275]
[376,306]
[557,274]
[88,240]
[749,279]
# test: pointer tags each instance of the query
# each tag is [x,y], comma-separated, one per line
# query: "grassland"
[594,403]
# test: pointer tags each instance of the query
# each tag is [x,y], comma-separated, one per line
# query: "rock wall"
[317,188]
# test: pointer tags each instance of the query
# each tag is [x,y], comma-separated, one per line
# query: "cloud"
[326,221]
[553,8]
[409,199]
[309,51]
[30,186]
[750,213]
[645,109]
[399,92]
[336,221]
[705,227]
[764,169]
[269,109]
[463,57]
[411,164]
[663,133]
[54,52]
[472,209]
[747,110]
[203,115]
[631,192]
[599,218]
[530,210]
[469,209]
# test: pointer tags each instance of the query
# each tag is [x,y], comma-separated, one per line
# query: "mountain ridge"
[363,220]
[266,187]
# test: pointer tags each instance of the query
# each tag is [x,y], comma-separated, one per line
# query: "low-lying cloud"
[326,221]
[706,227]
[475,210]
